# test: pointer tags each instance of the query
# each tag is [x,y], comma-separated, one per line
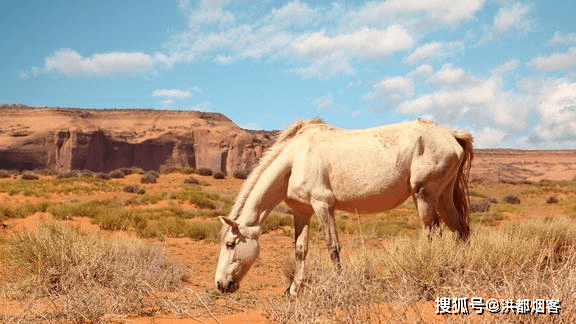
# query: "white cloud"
[206,13]
[205,106]
[293,13]
[557,112]
[506,67]
[168,103]
[326,67]
[330,56]
[421,71]
[366,42]
[456,97]
[324,102]
[449,75]
[555,62]
[436,12]
[251,126]
[172,93]
[434,50]
[353,85]
[489,137]
[69,62]
[562,39]
[516,17]
[393,90]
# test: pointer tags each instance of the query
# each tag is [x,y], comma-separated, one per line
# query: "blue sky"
[504,70]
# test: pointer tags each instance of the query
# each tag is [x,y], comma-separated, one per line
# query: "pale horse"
[316,168]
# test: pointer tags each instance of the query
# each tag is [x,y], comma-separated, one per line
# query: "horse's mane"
[270,155]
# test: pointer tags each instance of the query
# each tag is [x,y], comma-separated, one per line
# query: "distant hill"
[63,139]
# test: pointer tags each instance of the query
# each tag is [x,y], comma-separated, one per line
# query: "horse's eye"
[230,245]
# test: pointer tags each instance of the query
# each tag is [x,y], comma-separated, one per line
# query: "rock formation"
[64,139]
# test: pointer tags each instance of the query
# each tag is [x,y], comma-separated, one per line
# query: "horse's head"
[238,251]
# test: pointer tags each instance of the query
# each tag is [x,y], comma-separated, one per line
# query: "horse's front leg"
[302,227]
[325,213]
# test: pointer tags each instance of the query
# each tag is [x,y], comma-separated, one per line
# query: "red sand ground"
[266,278]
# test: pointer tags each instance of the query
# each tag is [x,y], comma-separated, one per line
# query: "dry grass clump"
[86,276]
[530,260]
[149,177]
[28,175]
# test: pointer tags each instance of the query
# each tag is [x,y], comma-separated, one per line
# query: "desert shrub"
[46,172]
[240,174]
[203,231]
[196,196]
[28,175]
[86,276]
[219,175]
[186,170]
[5,174]
[511,199]
[204,171]
[87,173]
[480,207]
[141,191]
[552,200]
[137,170]
[179,227]
[529,260]
[275,221]
[114,218]
[116,174]
[130,188]
[22,210]
[66,175]
[149,177]
[126,171]
[102,175]
[169,170]
[61,210]
[192,181]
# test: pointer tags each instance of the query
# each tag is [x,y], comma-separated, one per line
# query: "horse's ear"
[228,221]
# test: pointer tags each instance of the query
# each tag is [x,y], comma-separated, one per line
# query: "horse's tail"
[460,195]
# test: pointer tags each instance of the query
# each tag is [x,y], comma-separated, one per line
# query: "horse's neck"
[268,192]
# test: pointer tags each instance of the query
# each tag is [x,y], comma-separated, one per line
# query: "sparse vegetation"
[86,276]
[130,188]
[219,175]
[102,176]
[149,177]
[480,206]
[116,174]
[406,270]
[192,181]
[510,199]
[204,172]
[528,260]
[239,174]
[5,174]
[28,175]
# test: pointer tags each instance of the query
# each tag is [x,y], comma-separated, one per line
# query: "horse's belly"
[373,203]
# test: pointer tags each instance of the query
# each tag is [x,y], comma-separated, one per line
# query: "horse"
[316,168]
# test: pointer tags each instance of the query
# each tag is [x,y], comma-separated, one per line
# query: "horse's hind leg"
[325,213]
[426,206]
[450,214]
[302,226]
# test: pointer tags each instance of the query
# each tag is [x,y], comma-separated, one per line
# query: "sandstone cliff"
[103,140]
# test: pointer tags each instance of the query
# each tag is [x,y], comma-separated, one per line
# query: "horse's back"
[368,170]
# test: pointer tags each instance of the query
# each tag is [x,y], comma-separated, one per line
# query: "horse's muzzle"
[231,287]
